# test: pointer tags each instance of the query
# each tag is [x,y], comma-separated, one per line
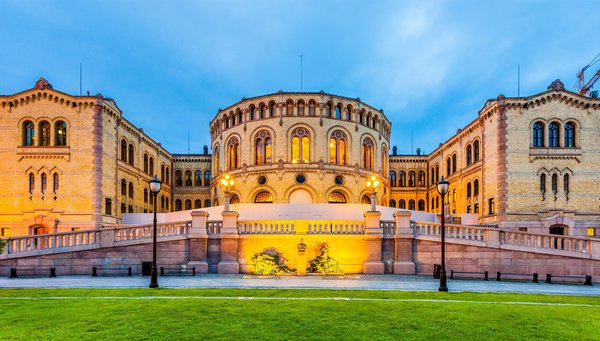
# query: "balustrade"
[388,227]
[327,227]
[545,241]
[51,241]
[453,231]
[257,227]
[214,227]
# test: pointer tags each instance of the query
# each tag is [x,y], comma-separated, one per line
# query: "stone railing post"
[198,242]
[373,238]
[229,244]
[594,248]
[107,237]
[492,238]
[403,240]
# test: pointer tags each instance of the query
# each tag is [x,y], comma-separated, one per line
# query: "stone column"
[373,236]
[199,242]
[403,243]
[229,244]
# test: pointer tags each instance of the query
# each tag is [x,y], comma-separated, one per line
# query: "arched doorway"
[39,229]
[300,196]
[557,230]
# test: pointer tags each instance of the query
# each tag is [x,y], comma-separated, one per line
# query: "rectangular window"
[75,229]
[469,209]
[491,206]
[591,231]
[108,206]
[522,229]
[5,232]
[476,208]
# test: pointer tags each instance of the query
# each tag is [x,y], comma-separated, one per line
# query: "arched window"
[411,179]
[367,153]
[123,187]
[178,179]
[300,108]
[569,135]
[349,113]
[31,183]
[468,190]
[411,205]
[402,178]
[476,188]
[337,148]
[198,178]
[448,167]
[145,195]
[60,133]
[151,168]
[402,204]
[162,202]
[28,133]
[311,108]
[56,183]
[437,173]
[264,198]
[167,176]
[384,156]
[207,178]
[162,173]
[476,151]
[262,113]
[538,134]
[197,203]
[233,153]
[393,179]
[131,190]
[361,117]
[216,166]
[44,133]
[543,184]
[239,116]
[272,110]
[207,203]
[252,113]
[421,179]
[145,163]
[188,204]
[421,205]
[553,132]
[123,150]
[188,178]
[555,183]
[338,112]
[300,145]
[44,183]
[234,199]
[432,204]
[167,203]
[453,163]
[178,206]
[433,175]
[289,108]
[264,148]
[130,154]
[469,155]
[366,199]
[328,108]
[392,203]
[566,183]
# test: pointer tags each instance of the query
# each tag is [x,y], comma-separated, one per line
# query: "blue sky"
[170,65]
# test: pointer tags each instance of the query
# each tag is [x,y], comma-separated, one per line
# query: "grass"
[95,314]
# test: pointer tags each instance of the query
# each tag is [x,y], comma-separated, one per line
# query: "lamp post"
[372,184]
[154,188]
[227,182]
[442,188]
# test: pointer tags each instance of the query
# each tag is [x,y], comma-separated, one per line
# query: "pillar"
[373,237]
[403,244]
[229,244]
[199,242]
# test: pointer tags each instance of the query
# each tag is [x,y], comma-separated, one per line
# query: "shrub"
[324,264]
[2,245]
[269,262]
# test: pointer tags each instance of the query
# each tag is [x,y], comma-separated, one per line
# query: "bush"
[324,264]
[2,245]
[269,262]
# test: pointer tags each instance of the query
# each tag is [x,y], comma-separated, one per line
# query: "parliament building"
[75,162]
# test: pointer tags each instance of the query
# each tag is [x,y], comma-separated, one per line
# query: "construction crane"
[583,87]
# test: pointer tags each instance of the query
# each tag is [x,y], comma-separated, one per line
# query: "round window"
[262,180]
[300,178]
[339,180]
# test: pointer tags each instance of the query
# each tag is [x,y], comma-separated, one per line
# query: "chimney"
[205,150]
[395,150]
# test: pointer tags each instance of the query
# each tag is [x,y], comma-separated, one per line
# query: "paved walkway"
[348,282]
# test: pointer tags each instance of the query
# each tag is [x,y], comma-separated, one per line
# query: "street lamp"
[154,188]
[372,184]
[442,188]
[227,182]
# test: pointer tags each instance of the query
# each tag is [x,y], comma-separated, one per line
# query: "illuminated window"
[569,135]
[233,154]
[337,148]
[367,153]
[263,148]
[264,198]
[28,133]
[61,133]
[300,145]
[591,231]
[365,199]
[44,133]
[216,166]
[234,199]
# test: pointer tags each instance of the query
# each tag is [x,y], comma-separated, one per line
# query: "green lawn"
[141,314]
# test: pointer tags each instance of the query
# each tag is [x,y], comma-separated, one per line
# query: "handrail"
[545,241]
